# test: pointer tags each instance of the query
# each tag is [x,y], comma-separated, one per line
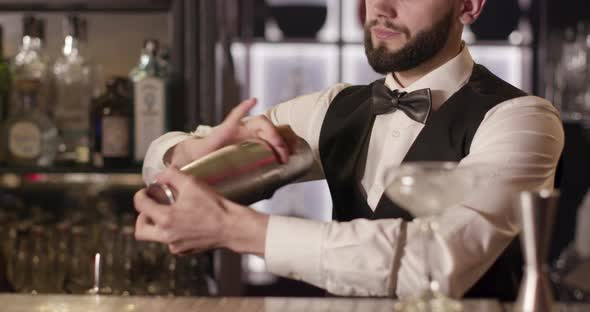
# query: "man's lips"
[384,33]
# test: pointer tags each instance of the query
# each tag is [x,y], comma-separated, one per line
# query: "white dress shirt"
[520,140]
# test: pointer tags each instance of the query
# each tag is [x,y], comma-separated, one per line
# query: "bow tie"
[415,104]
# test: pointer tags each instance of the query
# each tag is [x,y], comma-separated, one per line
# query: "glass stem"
[429,238]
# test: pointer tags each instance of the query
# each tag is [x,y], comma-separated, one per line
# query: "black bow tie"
[415,104]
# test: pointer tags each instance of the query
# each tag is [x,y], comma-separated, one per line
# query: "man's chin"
[390,46]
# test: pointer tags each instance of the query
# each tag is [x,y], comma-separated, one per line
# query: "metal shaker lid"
[161,193]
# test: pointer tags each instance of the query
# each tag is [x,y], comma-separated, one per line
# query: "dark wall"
[564,13]
[573,183]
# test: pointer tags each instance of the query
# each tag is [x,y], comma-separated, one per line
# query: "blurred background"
[85,85]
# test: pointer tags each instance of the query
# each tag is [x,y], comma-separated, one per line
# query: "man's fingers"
[145,230]
[278,144]
[240,111]
[265,130]
[186,247]
[290,138]
[152,210]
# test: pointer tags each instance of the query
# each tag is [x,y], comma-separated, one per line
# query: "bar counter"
[68,303]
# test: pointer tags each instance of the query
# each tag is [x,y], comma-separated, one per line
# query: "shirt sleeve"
[519,143]
[153,162]
[304,114]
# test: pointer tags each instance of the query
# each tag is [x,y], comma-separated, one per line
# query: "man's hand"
[232,130]
[200,219]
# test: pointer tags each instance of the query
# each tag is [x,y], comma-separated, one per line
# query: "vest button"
[395,134]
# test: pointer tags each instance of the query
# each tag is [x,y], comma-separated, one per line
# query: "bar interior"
[87,85]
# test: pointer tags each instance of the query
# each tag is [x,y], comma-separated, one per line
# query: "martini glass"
[426,189]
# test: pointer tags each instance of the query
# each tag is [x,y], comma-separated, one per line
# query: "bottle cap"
[74,26]
[151,46]
[37,28]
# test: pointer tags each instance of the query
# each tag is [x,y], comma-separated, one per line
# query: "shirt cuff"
[154,159]
[202,131]
[294,247]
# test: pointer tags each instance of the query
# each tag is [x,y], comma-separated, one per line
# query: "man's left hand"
[199,219]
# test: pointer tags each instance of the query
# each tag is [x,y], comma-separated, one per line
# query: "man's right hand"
[232,130]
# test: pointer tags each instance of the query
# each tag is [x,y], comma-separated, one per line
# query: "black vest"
[446,136]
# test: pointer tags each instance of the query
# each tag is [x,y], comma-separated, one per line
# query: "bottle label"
[24,140]
[115,136]
[150,113]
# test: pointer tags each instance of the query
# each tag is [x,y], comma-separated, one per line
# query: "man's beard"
[424,46]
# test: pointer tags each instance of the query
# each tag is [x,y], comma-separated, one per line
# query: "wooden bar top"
[70,303]
[67,303]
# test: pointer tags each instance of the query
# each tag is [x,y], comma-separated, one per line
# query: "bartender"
[434,104]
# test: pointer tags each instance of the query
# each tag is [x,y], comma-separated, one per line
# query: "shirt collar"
[444,81]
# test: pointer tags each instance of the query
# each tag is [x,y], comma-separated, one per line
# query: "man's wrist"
[244,230]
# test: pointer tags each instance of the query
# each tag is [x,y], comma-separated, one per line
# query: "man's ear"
[470,10]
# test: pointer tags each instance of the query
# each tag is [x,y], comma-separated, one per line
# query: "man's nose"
[382,8]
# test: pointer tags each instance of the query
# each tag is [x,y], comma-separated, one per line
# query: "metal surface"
[244,173]
[537,213]
[161,193]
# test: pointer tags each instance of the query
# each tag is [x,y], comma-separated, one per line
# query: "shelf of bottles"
[61,116]
[568,74]
[86,5]
[72,141]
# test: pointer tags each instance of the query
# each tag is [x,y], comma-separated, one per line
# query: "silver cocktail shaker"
[537,213]
[245,172]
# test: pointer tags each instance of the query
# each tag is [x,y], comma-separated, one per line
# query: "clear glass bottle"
[126,267]
[73,93]
[41,271]
[31,63]
[111,123]
[62,247]
[29,136]
[21,278]
[151,85]
[79,277]
[109,249]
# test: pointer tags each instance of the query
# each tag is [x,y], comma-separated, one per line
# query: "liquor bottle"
[30,137]
[41,269]
[5,79]
[150,93]
[73,92]
[31,63]
[79,276]
[111,120]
